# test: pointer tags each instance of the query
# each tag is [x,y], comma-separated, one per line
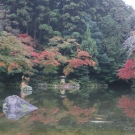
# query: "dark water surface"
[86,111]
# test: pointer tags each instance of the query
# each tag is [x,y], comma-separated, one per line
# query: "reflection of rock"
[15,107]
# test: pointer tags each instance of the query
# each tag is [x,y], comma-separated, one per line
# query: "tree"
[99,27]
[6,23]
[74,57]
[14,55]
[72,17]
[18,56]
[128,71]
[83,59]
[111,18]
[29,15]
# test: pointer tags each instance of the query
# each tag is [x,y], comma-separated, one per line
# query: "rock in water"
[15,107]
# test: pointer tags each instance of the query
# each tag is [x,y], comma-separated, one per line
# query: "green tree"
[72,17]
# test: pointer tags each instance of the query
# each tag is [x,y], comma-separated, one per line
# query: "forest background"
[86,40]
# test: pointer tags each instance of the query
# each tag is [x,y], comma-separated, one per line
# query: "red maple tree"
[128,71]
[26,39]
[44,58]
[83,59]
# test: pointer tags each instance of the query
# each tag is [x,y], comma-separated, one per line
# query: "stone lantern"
[62,79]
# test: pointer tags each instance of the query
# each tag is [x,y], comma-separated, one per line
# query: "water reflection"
[62,93]
[25,91]
[128,104]
[80,112]
[58,115]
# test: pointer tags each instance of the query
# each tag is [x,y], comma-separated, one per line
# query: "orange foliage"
[89,62]
[83,59]
[13,66]
[30,58]
[2,64]
[47,55]
[67,70]
[44,58]
[82,54]
[76,62]
[50,62]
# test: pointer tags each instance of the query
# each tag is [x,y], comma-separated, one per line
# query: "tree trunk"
[34,36]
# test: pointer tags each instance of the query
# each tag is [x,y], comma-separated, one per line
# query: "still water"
[85,111]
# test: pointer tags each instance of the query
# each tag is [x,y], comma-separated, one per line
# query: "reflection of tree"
[128,105]
[53,115]
[82,115]
[47,116]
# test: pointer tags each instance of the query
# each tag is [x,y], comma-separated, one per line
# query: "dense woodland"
[84,40]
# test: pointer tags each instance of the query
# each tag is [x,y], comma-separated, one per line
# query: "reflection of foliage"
[53,115]
[47,116]
[82,115]
[128,105]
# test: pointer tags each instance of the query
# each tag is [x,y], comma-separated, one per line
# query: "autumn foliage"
[27,40]
[13,54]
[13,66]
[19,55]
[128,105]
[83,59]
[2,64]
[128,71]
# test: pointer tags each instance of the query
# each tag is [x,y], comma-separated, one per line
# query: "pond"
[85,111]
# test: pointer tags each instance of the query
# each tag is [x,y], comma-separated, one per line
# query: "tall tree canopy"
[99,27]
